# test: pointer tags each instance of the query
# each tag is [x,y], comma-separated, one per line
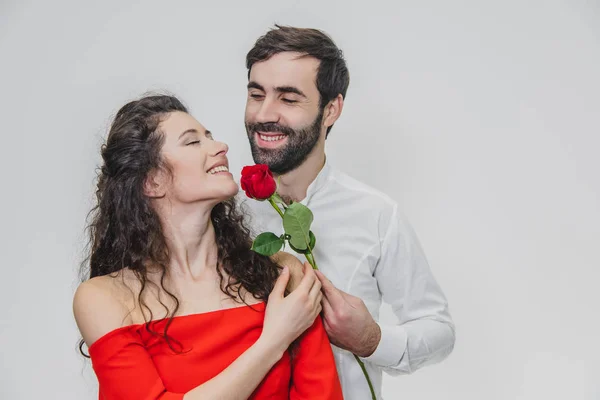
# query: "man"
[366,250]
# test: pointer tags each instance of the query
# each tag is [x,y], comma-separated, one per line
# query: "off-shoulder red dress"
[132,363]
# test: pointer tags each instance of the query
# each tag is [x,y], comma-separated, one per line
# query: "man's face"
[283,119]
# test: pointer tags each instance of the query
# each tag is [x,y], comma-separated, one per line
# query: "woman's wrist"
[273,350]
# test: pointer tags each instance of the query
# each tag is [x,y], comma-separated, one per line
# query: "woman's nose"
[220,148]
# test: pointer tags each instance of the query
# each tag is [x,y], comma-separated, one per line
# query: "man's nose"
[267,112]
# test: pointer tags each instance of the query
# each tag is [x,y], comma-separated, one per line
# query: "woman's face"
[199,165]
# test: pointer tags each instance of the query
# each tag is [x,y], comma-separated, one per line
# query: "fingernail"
[285,269]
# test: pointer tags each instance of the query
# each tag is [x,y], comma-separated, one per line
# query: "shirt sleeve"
[314,374]
[125,370]
[425,333]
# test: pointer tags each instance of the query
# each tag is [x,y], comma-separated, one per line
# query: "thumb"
[326,284]
[333,295]
[281,283]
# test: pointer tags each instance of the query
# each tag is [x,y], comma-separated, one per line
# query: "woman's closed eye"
[194,142]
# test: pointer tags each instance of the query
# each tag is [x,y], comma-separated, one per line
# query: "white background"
[482,118]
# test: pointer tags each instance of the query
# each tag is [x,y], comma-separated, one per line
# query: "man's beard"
[300,142]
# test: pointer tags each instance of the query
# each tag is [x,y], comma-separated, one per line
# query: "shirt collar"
[318,182]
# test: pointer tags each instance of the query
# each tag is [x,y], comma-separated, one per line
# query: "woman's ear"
[155,185]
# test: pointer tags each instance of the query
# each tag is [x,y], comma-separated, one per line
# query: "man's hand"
[347,320]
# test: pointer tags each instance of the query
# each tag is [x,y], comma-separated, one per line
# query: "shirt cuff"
[391,347]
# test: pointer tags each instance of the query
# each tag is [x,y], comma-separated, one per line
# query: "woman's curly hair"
[125,231]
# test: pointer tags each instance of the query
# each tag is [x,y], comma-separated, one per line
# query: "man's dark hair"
[333,77]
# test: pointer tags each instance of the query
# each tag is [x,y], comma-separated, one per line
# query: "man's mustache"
[270,127]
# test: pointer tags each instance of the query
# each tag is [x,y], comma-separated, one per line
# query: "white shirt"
[367,248]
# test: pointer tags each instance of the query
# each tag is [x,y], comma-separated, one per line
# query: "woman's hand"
[287,317]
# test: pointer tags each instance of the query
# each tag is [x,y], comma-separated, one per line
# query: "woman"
[177,306]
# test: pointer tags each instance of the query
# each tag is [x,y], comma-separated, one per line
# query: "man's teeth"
[271,138]
[221,168]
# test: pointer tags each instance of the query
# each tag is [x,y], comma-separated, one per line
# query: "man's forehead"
[285,69]
[287,62]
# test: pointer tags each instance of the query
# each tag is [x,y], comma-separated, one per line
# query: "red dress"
[132,363]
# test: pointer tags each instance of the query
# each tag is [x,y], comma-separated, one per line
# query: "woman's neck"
[191,242]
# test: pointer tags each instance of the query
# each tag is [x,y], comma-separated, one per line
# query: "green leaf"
[296,223]
[267,244]
[313,241]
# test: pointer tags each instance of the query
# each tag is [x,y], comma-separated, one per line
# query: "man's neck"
[293,185]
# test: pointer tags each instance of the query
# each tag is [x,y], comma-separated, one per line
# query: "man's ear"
[333,110]
[155,185]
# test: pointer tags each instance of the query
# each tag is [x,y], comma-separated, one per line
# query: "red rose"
[257,181]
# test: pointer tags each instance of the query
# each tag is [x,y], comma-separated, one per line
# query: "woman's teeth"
[271,138]
[221,168]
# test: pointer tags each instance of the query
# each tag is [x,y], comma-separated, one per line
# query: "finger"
[315,311]
[329,290]
[315,291]
[308,279]
[318,310]
[327,285]
[327,327]
[327,309]
[319,305]
[281,283]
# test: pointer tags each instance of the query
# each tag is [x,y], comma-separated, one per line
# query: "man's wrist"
[371,340]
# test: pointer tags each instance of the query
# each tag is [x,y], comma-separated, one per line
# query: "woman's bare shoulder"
[99,307]
[294,264]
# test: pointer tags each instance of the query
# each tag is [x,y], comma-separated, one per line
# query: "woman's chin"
[230,191]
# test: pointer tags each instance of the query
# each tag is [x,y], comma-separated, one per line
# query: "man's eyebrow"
[280,89]
[290,89]
[255,85]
